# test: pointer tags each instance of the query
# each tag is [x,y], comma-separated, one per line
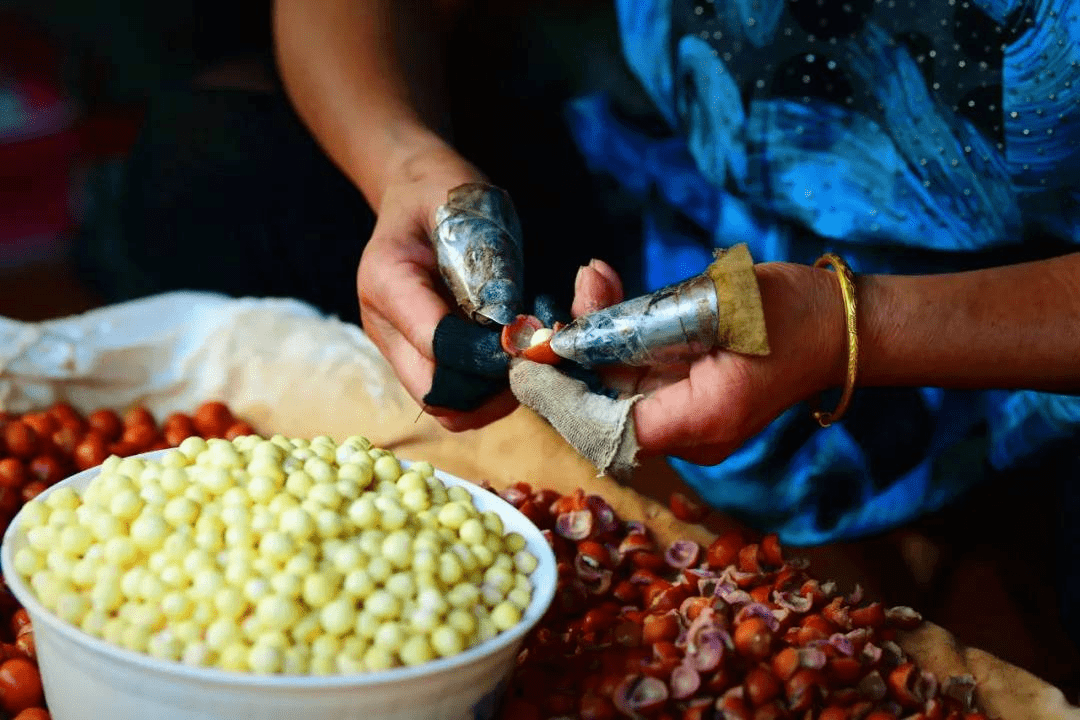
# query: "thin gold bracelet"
[846,278]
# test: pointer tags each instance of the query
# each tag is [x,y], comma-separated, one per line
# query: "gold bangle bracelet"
[846,278]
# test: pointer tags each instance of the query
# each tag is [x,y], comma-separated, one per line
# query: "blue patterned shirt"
[907,135]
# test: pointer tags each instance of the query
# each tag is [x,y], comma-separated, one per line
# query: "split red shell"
[516,340]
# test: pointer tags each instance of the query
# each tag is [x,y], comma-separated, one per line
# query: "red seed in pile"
[686,509]
[734,630]
[20,685]
[37,450]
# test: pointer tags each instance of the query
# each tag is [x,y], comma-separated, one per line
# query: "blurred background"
[77,79]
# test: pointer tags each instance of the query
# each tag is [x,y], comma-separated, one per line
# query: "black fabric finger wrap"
[471,367]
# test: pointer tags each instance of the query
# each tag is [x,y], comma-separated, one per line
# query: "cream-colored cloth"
[598,427]
[1001,690]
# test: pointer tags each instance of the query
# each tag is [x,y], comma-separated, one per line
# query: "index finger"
[403,292]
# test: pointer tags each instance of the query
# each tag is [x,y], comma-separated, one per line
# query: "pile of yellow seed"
[276,556]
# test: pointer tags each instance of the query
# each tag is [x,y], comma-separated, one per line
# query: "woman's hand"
[703,411]
[364,77]
[400,290]
[1006,327]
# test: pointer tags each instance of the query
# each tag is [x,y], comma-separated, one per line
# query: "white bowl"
[86,678]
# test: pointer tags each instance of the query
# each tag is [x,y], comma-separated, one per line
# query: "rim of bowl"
[541,600]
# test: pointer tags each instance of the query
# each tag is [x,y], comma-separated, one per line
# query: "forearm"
[364,77]
[1009,327]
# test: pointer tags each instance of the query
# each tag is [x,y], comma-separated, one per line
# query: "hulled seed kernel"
[278,555]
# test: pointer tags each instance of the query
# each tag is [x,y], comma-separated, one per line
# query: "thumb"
[596,286]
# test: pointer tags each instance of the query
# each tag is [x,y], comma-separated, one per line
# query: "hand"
[398,282]
[704,410]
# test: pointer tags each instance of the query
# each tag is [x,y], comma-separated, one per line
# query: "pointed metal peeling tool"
[477,240]
[721,308]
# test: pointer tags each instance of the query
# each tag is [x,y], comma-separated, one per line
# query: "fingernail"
[577,278]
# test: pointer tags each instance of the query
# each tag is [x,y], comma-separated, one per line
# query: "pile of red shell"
[731,631]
